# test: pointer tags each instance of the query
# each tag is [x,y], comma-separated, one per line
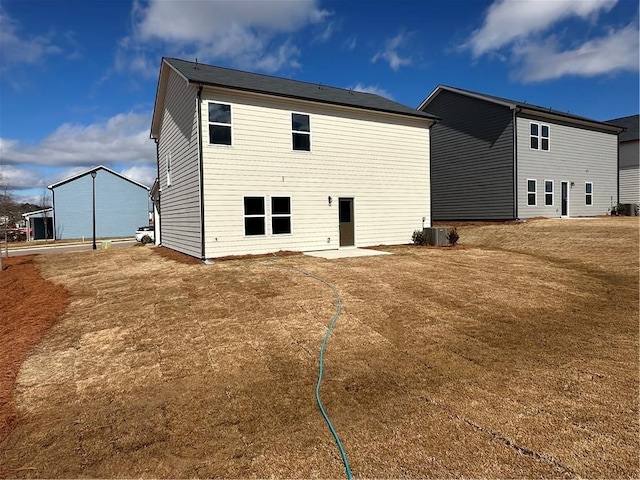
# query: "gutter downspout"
[159,239]
[516,110]
[199,110]
[430,177]
[618,169]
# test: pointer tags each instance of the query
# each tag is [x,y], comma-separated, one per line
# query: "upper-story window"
[539,136]
[301,131]
[219,123]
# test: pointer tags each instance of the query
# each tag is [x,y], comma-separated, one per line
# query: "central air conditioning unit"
[436,236]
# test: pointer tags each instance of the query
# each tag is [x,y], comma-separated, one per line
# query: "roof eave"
[418,114]
[570,119]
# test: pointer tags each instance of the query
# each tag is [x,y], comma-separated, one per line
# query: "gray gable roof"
[95,169]
[630,124]
[200,73]
[513,104]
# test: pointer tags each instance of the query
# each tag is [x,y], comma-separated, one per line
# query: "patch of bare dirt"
[29,305]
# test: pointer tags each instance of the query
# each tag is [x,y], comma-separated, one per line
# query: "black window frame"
[249,219]
[220,125]
[300,138]
[280,217]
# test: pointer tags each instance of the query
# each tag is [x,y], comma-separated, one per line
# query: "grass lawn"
[512,355]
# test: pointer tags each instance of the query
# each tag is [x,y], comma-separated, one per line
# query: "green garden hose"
[333,289]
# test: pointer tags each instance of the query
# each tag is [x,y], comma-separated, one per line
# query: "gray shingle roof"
[283,87]
[630,124]
[515,103]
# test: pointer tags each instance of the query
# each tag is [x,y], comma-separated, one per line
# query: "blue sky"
[78,78]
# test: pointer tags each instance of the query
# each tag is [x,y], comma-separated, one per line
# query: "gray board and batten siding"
[471,159]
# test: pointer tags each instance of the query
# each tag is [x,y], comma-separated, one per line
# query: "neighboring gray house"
[499,159]
[121,205]
[251,164]
[629,168]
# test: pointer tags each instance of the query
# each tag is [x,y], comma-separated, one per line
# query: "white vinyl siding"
[179,202]
[577,156]
[381,160]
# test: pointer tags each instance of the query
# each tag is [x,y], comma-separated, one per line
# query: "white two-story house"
[251,164]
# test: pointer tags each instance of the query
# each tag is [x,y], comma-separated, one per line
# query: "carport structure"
[39,224]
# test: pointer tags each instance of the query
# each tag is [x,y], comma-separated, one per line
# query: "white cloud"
[510,20]
[16,178]
[390,52]
[29,49]
[248,34]
[145,174]
[375,89]
[532,37]
[617,51]
[123,138]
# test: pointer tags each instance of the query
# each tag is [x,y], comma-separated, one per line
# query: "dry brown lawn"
[513,355]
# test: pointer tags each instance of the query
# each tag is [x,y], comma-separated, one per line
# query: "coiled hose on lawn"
[334,290]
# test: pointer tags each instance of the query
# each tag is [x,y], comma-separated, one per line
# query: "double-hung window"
[301,131]
[548,192]
[539,136]
[219,123]
[588,189]
[280,215]
[254,216]
[532,192]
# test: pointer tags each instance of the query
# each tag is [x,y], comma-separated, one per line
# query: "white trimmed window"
[280,215]
[532,187]
[254,216]
[167,159]
[588,189]
[301,131]
[539,136]
[548,192]
[219,123]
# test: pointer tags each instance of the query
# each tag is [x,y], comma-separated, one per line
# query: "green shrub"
[419,238]
[452,236]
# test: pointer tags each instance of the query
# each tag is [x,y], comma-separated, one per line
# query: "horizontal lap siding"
[575,155]
[380,160]
[180,202]
[630,185]
[471,159]
[629,172]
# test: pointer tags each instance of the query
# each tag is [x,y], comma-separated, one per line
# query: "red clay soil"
[29,305]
